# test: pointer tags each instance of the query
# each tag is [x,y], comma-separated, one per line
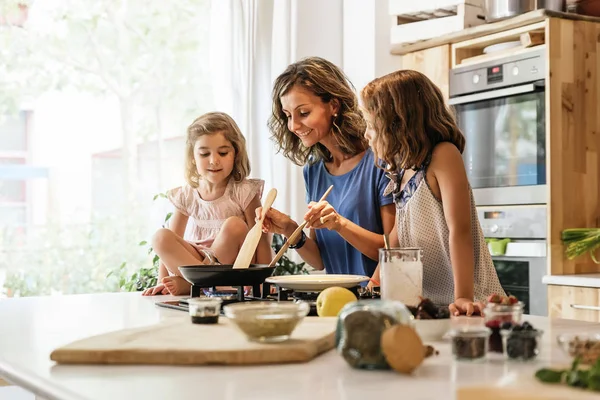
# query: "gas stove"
[277,294]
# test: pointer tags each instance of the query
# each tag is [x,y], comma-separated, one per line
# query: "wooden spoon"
[244,257]
[296,233]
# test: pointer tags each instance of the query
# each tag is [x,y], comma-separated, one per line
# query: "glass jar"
[521,344]
[359,328]
[470,344]
[499,316]
[401,275]
[205,310]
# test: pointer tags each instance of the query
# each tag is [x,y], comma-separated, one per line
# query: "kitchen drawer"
[574,302]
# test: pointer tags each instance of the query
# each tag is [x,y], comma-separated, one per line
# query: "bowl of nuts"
[586,346]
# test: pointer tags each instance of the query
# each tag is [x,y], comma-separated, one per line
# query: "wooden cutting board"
[180,342]
[531,392]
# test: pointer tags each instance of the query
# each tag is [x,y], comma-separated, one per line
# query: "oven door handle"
[492,94]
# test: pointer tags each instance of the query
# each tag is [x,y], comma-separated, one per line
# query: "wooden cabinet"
[574,302]
[433,62]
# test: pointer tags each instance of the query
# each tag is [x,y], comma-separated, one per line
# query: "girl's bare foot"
[176,285]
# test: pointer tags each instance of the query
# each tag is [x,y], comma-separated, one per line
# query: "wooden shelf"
[471,51]
[488,29]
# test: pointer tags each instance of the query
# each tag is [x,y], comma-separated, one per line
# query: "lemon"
[332,300]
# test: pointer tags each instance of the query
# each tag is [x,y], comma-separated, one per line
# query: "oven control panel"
[495,74]
[519,222]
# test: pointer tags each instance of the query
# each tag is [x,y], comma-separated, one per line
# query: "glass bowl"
[583,345]
[267,322]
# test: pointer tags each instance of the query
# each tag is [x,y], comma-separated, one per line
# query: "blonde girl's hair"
[326,81]
[410,118]
[208,124]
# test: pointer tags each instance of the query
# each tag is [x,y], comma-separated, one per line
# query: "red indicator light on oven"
[495,70]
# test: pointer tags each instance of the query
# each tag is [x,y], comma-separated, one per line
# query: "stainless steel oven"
[516,238]
[500,108]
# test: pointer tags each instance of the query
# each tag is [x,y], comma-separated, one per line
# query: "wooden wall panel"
[433,62]
[573,136]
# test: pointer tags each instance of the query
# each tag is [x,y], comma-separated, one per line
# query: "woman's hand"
[276,222]
[465,306]
[322,215]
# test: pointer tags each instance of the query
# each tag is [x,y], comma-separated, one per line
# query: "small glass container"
[205,310]
[470,344]
[359,329]
[401,275]
[498,316]
[521,345]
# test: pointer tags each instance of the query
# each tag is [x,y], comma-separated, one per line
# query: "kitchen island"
[31,328]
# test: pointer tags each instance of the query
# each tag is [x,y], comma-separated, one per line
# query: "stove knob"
[494,228]
[476,79]
[515,70]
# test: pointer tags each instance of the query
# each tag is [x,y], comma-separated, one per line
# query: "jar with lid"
[501,316]
[359,328]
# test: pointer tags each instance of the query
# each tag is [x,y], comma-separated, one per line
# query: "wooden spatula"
[296,233]
[248,249]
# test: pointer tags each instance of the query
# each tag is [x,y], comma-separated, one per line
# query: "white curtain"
[252,41]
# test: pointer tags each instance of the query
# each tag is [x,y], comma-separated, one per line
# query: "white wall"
[366,36]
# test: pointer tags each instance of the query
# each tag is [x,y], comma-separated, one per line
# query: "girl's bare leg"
[228,242]
[174,252]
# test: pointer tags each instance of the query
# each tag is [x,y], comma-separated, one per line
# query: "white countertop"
[583,280]
[30,328]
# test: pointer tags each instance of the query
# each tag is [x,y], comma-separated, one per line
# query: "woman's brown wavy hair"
[410,118]
[208,124]
[326,81]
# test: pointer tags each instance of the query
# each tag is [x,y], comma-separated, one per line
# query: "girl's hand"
[322,215]
[276,222]
[465,306]
[157,290]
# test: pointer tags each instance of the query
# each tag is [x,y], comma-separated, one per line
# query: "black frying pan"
[225,275]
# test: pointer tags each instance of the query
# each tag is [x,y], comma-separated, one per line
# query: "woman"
[316,123]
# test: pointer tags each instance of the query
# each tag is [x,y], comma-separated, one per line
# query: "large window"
[109,90]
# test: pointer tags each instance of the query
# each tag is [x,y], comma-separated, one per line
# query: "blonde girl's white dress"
[207,217]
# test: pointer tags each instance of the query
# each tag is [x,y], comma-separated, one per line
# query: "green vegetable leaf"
[550,375]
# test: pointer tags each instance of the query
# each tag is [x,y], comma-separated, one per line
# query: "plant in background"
[579,241]
[285,266]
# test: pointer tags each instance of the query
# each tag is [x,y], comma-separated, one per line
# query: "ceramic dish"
[432,330]
[315,283]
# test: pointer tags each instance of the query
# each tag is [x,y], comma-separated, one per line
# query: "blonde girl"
[218,198]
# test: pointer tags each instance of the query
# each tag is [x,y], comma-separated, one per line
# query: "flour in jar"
[402,281]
